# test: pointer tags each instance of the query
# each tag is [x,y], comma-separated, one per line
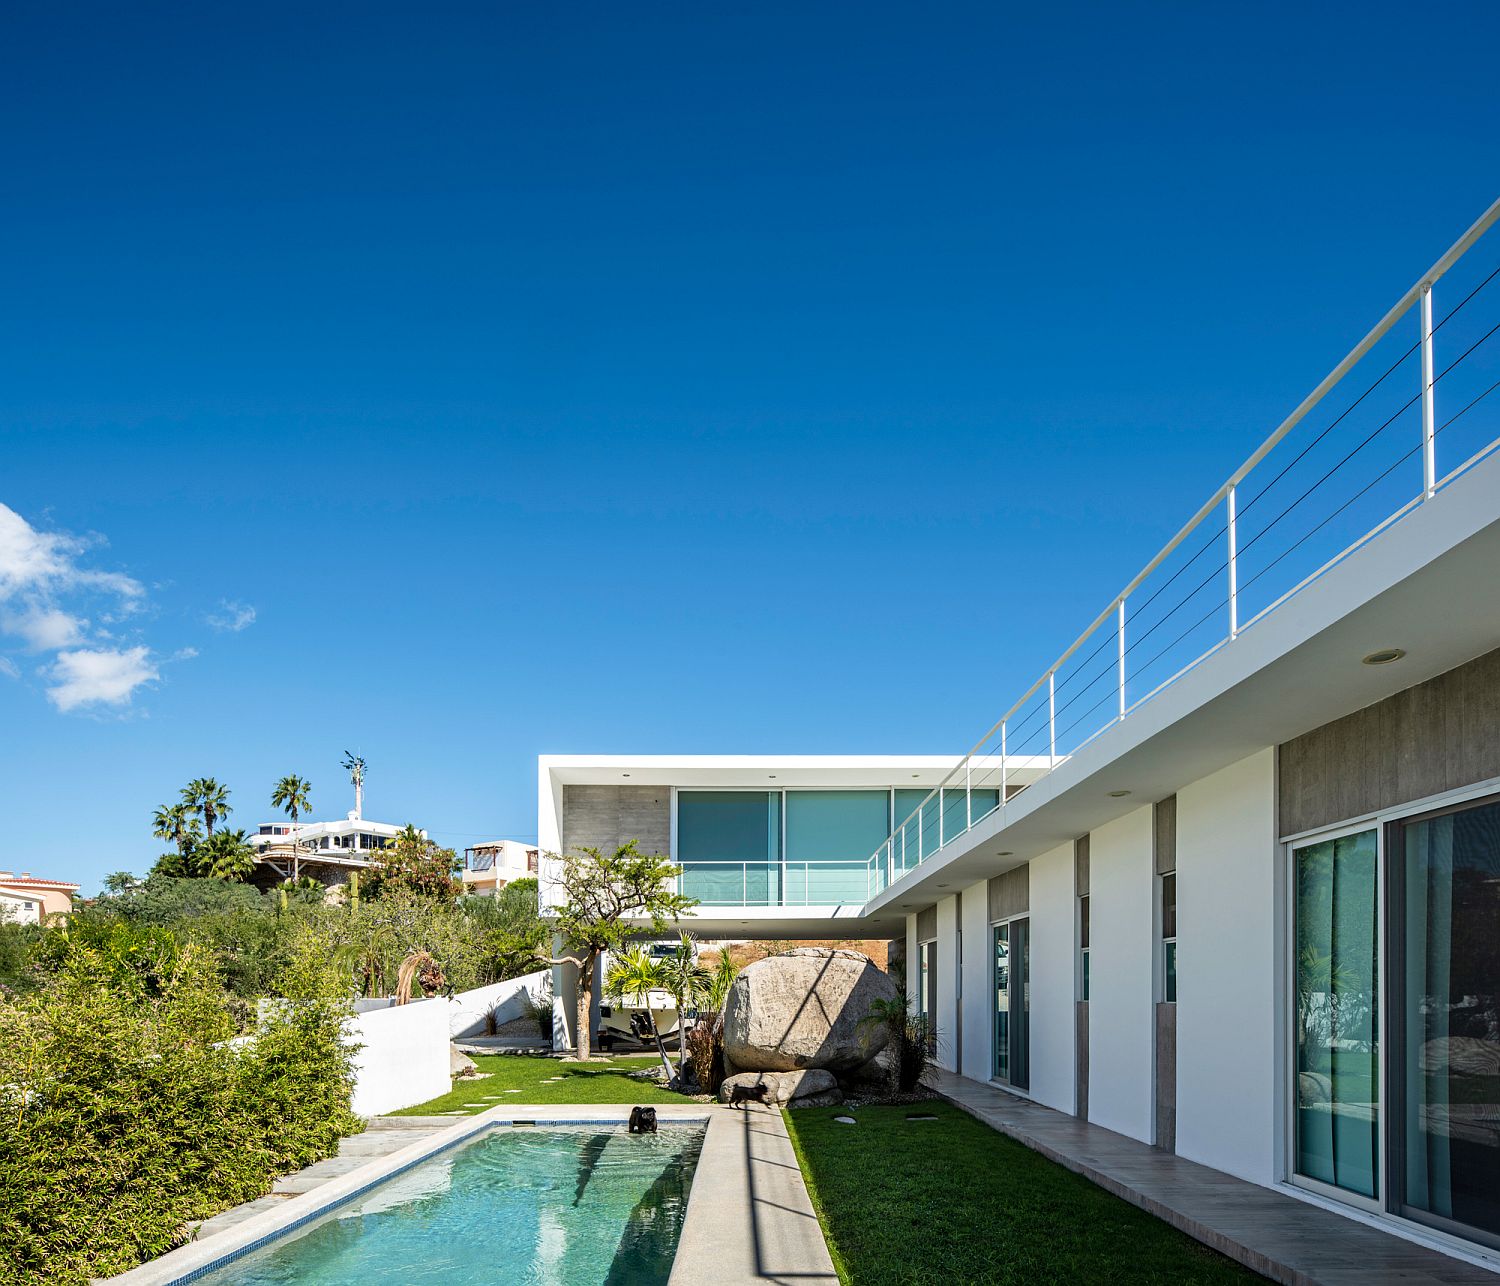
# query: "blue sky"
[455,386]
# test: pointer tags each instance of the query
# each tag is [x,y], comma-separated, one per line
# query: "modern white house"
[1225,878]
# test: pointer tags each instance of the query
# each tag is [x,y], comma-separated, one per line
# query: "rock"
[460,1064]
[805,1009]
[875,1077]
[812,1088]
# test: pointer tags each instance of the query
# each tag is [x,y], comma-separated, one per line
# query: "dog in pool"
[643,1120]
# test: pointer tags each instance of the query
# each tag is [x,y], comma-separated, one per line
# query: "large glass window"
[1337,1092]
[927,993]
[830,835]
[1012,1007]
[729,845]
[1448,1015]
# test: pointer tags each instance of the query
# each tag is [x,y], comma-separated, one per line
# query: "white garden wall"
[947,984]
[469,1011]
[977,1002]
[404,1056]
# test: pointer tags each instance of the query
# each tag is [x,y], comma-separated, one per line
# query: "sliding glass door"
[1409,1124]
[1446,1018]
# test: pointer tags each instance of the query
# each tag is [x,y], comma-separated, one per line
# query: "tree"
[226,856]
[291,796]
[606,897]
[209,800]
[414,862]
[177,824]
[633,975]
[690,984]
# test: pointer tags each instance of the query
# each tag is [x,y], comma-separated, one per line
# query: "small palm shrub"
[909,1038]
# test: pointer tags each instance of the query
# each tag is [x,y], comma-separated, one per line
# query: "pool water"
[553,1205]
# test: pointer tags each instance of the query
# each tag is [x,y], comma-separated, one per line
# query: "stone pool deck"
[749,1218]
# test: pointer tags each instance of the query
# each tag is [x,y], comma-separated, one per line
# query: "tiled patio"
[1277,1235]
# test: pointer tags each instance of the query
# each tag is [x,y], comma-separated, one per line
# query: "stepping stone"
[518,1091]
[846,1120]
[921,1118]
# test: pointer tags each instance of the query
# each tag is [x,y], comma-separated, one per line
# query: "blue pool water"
[552,1205]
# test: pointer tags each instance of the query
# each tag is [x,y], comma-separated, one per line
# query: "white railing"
[1300,504]
[777,883]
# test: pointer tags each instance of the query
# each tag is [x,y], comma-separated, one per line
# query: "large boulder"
[805,1009]
[812,1088]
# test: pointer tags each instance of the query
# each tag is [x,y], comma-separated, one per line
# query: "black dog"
[741,1094]
[643,1120]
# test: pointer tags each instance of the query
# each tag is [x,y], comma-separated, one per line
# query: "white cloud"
[39,564]
[45,629]
[99,676]
[184,654]
[231,617]
[9,668]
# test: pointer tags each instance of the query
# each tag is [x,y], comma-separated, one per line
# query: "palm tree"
[227,856]
[176,824]
[291,796]
[633,975]
[690,984]
[204,796]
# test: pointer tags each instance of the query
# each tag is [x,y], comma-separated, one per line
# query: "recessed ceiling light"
[1007,853]
[942,886]
[772,777]
[1385,656]
[624,774]
[1118,794]
[915,775]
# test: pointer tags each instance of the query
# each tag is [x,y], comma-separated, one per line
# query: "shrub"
[129,1114]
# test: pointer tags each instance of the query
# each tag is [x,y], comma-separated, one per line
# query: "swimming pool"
[556,1205]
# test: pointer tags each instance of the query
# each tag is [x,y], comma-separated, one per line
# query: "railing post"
[1051,719]
[968,794]
[942,809]
[1122,658]
[921,829]
[744,883]
[1429,429]
[903,848]
[1234,569]
[1003,781]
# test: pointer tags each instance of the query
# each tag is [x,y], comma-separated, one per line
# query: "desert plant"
[909,1037]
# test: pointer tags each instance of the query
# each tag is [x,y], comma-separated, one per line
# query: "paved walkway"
[749,1218]
[1278,1236]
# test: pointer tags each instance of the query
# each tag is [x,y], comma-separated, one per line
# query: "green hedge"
[127,1113]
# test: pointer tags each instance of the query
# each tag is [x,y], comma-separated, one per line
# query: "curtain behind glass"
[1337,1092]
[1451,1016]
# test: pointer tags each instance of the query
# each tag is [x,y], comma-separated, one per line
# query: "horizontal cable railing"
[776,882]
[1319,487]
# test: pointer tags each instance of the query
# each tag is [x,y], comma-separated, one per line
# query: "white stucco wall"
[977,1006]
[1228,969]
[1053,933]
[1121,1019]
[947,983]
[404,1059]
[469,1011]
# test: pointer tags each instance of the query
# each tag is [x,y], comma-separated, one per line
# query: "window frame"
[1023,917]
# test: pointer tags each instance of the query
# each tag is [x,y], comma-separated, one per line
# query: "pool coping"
[190,1262]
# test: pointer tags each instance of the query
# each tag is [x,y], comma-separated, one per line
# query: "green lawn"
[953,1201]
[581,1083]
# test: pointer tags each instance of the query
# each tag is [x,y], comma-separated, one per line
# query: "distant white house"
[327,851]
[492,864]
